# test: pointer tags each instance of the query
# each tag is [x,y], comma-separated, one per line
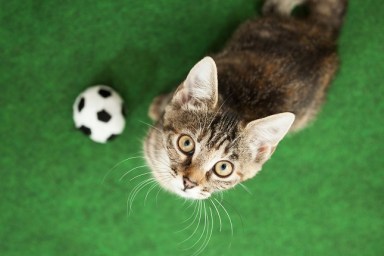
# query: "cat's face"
[198,146]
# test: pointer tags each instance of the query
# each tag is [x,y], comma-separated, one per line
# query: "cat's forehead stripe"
[223,140]
[223,128]
[169,128]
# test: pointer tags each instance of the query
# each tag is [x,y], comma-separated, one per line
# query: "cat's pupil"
[223,167]
[187,143]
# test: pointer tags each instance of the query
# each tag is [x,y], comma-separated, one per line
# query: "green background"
[321,194]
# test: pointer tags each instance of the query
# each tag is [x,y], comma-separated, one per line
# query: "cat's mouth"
[177,185]
[196,193]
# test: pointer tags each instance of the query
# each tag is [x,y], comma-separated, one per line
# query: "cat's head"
[198,146]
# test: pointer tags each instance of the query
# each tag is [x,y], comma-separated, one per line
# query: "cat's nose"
[188,184]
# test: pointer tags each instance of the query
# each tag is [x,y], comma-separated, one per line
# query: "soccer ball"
[99,113]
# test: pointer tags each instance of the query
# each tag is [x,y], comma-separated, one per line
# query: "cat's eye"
[186,144]
[223,169]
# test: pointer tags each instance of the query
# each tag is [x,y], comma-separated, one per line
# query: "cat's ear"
[200,86]
[264,134]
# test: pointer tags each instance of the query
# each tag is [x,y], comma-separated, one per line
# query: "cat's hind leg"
[280,7]
[328,14]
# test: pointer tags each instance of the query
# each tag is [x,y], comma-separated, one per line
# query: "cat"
[224,121]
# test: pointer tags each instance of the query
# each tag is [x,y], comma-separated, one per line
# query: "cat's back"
[277,64]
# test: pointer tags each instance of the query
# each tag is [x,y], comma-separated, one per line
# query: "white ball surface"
[99,113]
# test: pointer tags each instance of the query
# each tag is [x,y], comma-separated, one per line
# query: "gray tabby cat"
[225,120]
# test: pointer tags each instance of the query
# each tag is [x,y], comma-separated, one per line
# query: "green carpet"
[321,194]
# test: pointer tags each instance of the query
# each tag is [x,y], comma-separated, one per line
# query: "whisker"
[190,204]
[160,188]
[221,196]
[157,129]
[137,176]
[204,227]
[198,224]
[116,165]
[185,201]
[138,185]
[135,190]
[130,194]
[237,212]
[198,206]
[149,191]
[193,213]
[218,213]
[131,170]
[157,195]
[229,218]
[206,242]
[246,189]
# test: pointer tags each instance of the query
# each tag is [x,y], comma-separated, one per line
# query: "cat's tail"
[326,13]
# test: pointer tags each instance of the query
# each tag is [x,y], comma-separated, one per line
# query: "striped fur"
[271,77]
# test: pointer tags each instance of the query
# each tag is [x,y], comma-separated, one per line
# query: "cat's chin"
[192,195]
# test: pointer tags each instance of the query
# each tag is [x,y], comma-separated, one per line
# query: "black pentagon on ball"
[85,130]
[105,93]
[103,116]
[123,110]
[81,104]
[112,137]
